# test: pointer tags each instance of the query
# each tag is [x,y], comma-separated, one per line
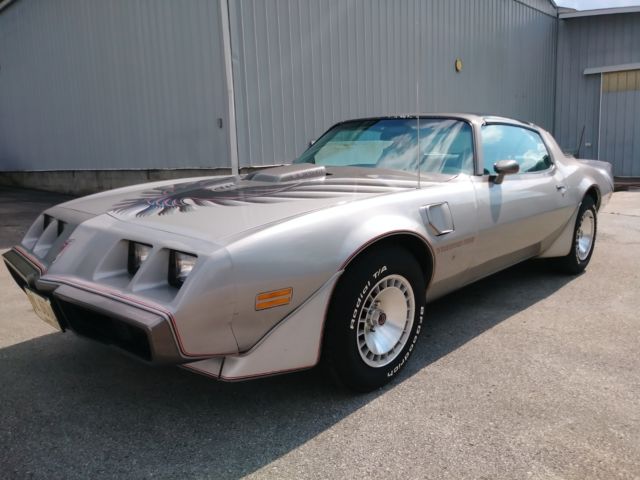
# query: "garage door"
[620,122]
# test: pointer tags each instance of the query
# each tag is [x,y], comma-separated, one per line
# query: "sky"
[591,4]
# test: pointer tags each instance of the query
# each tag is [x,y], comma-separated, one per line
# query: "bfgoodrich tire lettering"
[374,318]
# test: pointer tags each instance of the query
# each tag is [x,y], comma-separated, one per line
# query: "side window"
[507,142]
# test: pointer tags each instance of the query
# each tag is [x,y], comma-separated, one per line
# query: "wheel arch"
[562,245]
[594,192]
[417,245]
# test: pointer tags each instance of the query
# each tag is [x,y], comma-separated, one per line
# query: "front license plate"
[42,307]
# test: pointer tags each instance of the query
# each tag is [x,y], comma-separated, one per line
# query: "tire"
[366,344]
[584,239]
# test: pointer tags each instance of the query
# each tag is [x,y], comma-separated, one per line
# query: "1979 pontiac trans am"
[332,258]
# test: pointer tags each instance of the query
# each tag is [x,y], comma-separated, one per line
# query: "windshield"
[446,145]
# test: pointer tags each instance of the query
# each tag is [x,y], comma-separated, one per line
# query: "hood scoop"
[289,173]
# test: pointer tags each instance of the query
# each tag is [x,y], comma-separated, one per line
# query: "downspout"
[228,69]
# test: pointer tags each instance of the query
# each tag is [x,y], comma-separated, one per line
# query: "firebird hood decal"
[219,208]
[186,197]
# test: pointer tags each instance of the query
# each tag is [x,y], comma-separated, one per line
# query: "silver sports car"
[332,258]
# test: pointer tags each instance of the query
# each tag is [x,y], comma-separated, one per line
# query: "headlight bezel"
[181,264]
[136,257]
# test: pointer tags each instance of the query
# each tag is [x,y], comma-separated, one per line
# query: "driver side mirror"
[504,167]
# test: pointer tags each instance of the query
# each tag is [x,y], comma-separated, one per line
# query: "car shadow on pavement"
[75,409]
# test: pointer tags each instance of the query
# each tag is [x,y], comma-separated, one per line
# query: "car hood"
[214,208]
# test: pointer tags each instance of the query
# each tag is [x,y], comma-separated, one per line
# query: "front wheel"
[374,318]
[584,239]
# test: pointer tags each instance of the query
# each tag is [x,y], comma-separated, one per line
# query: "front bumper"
[148,332]
[24,272]
[142,332]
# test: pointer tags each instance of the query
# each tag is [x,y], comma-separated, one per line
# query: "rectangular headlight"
[180,266]
[138,253]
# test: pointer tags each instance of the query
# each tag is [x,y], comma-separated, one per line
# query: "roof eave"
[599,11]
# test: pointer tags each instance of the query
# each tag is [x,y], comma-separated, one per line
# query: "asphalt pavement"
[526,374]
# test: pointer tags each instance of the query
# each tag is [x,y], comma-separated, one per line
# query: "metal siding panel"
[617,133]
[627,128]
[620,139]
[579,106]
[356,58]
[585,43]
[111,85]
[149,96]
[635,134]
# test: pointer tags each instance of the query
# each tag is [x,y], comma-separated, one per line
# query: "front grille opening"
[105,329]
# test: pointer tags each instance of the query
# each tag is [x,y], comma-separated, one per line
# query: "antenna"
[580,142]
[417,69]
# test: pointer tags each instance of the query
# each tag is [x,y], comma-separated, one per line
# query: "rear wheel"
[374,318]
[584,239]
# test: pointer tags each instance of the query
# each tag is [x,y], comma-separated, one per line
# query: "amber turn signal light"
[274,298]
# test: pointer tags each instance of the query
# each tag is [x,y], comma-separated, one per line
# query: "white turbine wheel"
[385,321]
[584,240]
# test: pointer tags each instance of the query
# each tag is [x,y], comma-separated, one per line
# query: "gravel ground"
[526,374]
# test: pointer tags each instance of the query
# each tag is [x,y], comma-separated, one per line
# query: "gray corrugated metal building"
[98,87]
[301,66]
[598,93]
